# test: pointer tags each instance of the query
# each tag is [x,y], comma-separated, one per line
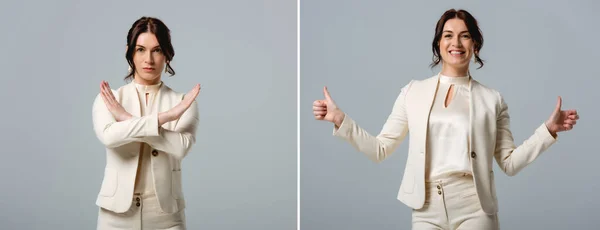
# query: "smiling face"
[149,59]
[456,44]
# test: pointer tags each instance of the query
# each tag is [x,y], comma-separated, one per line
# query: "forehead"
[147,39]
[456,25]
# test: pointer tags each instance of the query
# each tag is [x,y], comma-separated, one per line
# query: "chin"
[149,77]
[458,63]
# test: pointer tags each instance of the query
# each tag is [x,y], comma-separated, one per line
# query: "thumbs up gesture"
[327,109]
[561,120]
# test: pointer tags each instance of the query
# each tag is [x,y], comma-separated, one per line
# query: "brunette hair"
[472,27]
[162,33]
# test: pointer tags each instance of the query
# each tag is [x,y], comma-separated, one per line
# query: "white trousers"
[452,204]
[144,214]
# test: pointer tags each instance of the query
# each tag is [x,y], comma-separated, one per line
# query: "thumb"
[326,93]
[558,104]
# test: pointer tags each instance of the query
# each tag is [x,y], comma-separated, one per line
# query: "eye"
[466,36]
[139,49]
[448,36]
[158,50]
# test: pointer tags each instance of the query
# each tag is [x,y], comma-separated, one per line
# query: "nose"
[456,42]
[148,58]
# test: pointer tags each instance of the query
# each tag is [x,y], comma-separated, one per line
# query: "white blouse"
[448,134]
[144,179]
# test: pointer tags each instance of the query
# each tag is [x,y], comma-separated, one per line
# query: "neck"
[451,71]
[142,81]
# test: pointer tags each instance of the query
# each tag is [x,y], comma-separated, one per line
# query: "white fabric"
[452,204]
[144,180]
[448,134]
[146,216]
[490,138]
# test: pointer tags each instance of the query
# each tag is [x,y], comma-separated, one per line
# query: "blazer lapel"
[472,115]
[430,91]
[421,104]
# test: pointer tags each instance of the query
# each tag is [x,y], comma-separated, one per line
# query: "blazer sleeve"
[114,134]
[511,158]
[179,141]
[378,148]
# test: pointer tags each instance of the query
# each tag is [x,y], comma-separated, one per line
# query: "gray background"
[241,174]
[365,51]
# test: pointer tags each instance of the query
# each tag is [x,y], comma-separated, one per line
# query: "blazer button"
[137,199]
[473,155]
[154,152]
[137,204]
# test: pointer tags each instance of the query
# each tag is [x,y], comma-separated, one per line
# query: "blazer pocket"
[109,183]
[176,186]
[408,180]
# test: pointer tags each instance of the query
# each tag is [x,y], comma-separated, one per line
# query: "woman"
[147,129]
[457,125]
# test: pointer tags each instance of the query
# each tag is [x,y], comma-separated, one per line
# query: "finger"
[101,87]
[567,126]
[106,99]
[108,95]
[103,95]
[319,103]
[571,112]
[558,104]
[319,108]
[191,96]
[110,92]
[319,117]
[322,113]
[105,88]
[572,122]
[326,93]
[197,89]
[573,117]
[193,93]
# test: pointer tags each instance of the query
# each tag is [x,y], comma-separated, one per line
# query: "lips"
[148,69]
[456,52]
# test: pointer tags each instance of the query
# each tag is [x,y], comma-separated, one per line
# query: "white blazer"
[490,137]
[170,144]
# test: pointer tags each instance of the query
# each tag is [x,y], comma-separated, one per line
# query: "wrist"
[550,130]
[124,117]
[339,118]
[164,117]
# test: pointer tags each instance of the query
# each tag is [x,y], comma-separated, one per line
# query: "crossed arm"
[115,127]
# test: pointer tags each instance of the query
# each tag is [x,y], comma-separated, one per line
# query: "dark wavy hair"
[163,35]
[472,26]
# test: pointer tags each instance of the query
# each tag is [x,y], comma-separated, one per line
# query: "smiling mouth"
[455,52]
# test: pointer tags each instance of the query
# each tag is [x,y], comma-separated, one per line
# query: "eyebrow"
[450,31]
[145,47]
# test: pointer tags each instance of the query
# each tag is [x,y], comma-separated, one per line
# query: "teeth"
[456,52]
